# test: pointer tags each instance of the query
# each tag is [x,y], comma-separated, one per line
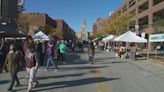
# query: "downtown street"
[107,74]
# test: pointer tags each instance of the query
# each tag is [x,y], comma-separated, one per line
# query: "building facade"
[8,15]
[78,35]
[65,31]
[84,33]
[32,22]
[146,13]
[100,23]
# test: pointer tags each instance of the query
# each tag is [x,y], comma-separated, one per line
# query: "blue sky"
[73,11]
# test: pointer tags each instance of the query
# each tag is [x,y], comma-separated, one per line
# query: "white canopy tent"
[130,37]
[40,36]
[108,38]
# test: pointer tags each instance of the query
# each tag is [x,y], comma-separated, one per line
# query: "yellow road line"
[104,83]
[101,84]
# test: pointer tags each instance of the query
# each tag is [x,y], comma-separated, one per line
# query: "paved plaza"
[107,74]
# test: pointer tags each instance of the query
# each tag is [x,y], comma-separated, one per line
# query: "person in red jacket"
[31,64]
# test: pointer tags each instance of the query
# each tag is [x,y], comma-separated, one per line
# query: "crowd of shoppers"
[29,55]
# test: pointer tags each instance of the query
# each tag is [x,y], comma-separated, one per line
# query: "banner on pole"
[157,38]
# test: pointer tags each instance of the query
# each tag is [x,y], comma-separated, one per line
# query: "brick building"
[146,13]
[65,30]
[30,22]
[36,21]
[100,23]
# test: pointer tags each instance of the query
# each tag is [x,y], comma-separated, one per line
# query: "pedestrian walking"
[13,65]
[31,65]
[4,49]
[73,47]
[50,54]
[63,49]
[39,52]
[57,50]
[91,52]
[44,52]
[1,56]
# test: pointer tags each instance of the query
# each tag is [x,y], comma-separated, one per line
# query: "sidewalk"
[159,59]
[153,65]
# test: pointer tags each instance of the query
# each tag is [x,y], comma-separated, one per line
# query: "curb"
[157,62]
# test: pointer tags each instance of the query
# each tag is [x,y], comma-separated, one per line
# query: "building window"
[124,8]
[133,12]
[143,22]
[59,24]
[132,3]
[157,1]
[143,7]
[159,15]
[132,25]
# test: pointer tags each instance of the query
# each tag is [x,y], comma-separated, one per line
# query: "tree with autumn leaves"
[51,31]
[23,24]
[118,25]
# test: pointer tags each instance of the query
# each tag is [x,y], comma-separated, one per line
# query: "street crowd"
[29,55]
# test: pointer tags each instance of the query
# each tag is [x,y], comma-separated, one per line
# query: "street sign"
[157,38]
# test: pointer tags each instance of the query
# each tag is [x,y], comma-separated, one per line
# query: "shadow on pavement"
[105,58]
[116,61]
[4,82]
[20,89]
[61,76]
[141,59]
[83,67]
[73,83]
[72,75]
[74,59]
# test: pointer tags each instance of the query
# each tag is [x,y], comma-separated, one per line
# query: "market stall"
[130,37]
[40,36]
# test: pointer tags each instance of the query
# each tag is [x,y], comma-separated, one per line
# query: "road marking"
[104,83]
[101,84]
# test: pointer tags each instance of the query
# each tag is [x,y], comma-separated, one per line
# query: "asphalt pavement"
[107,74]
